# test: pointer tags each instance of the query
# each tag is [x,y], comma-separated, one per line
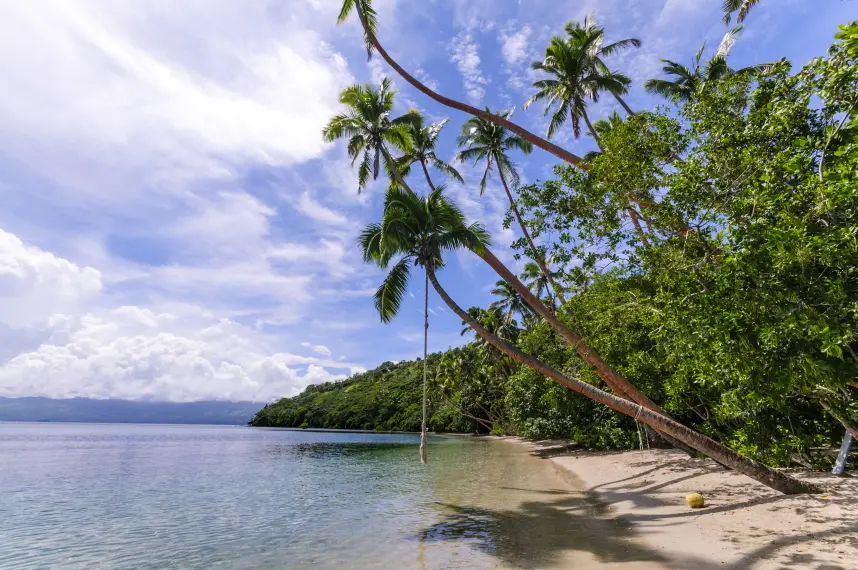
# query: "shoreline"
[743,525]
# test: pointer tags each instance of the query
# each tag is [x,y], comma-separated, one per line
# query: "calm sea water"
[148,496]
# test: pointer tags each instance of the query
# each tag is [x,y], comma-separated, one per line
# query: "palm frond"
[388,297]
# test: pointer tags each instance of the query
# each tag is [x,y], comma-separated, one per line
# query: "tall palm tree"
[423,141]
[742,6]
[590,36]
[509,301]
[369,22]
[575,80]
[485,140]
[369,129]
[688,82]
[419,231]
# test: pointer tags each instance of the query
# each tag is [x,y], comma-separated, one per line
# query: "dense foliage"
[387,398]
[708,252]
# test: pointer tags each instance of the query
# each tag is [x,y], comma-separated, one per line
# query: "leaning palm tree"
[688,81]
[369,129]
[509,302]
[485,140]
[590,36]
[574,81]
[367,16]
[419,231]
[423,141]
[742,6]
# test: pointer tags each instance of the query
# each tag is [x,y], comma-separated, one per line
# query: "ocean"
[125,496]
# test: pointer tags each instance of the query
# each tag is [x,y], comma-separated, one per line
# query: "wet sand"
[745,525]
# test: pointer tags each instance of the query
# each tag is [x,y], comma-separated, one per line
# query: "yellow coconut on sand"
[695,500]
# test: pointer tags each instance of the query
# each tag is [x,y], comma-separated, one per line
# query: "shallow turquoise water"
[148,496]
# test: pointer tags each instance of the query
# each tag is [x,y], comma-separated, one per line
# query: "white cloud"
[134,353]
[319,212]
[318,348]
[165,95]
[514,45]
[36,284]
[463,52]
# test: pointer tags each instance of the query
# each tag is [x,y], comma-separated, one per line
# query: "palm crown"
[489,141]
[576,79]
[368,127]
[689,81]
[742,6]
[590,37]
[423,140]
[414,231]
[509,300]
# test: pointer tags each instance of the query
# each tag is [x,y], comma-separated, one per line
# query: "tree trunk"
[593,132]
[423,451]
[616,381]
[848,423]
[535,140]
[636,223]
[623,103]
[765,475]
[426,172]
[396,175]
[536,255]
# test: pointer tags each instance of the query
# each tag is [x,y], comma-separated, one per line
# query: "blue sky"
[174,227]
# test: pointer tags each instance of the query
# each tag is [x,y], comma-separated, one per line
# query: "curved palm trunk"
[765,475]
[536,256]
[426,172]
[535,140]
[616,381]
[423,451]
[622,102]
[396,175]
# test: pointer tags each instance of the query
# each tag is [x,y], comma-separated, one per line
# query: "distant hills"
[34,409]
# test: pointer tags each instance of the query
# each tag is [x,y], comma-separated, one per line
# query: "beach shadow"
[540,533]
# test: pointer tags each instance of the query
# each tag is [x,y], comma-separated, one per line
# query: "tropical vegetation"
[698,275]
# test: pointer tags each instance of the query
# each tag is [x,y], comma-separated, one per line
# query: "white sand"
[744,525]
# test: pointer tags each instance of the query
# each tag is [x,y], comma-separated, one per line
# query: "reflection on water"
[125,496]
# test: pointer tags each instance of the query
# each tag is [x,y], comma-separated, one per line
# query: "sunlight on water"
[136,496]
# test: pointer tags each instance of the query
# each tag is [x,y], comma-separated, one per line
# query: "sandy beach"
[744,524]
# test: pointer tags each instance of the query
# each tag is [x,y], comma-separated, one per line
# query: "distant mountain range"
[125,411]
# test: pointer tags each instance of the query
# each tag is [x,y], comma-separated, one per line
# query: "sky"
[174,228]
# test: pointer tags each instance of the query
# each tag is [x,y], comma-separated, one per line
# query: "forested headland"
[701,266]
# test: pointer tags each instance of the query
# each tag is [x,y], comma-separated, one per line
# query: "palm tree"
[743,7]
[575,80]
[369,129]
[590,37]
[369,22]
[538,283]
[689,81]
[423,141]
[509,301]
[485,140]
[418,231]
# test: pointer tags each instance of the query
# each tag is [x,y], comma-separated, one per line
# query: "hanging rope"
[638,425]
[424,456]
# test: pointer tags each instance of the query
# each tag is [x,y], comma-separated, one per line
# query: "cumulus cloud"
[36,284]
[134,353]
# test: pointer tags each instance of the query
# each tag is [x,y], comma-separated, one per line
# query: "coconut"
[695,500]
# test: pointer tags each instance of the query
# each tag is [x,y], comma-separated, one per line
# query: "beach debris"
[695,500]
